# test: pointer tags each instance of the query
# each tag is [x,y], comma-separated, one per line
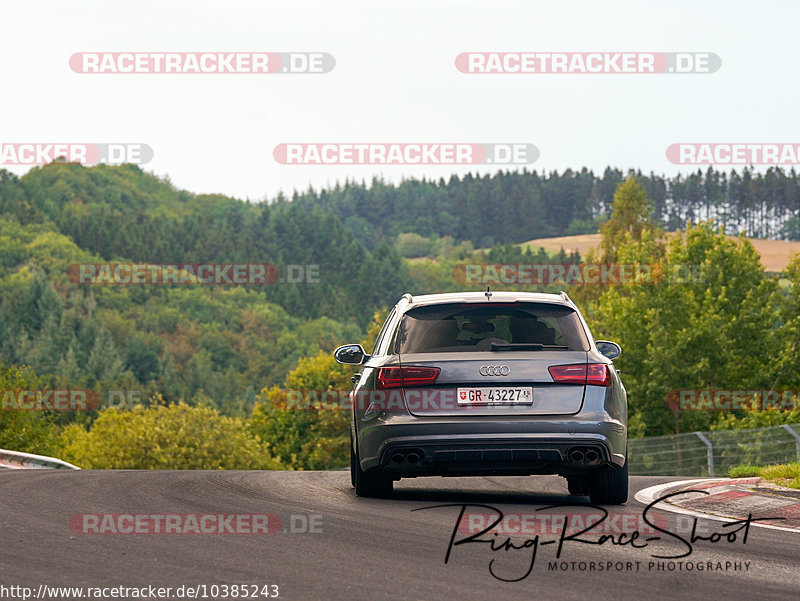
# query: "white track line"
[650,494]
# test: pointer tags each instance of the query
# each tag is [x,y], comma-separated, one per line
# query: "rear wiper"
[527,346]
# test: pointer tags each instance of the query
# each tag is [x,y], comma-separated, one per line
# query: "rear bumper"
[493,457]
[483,447]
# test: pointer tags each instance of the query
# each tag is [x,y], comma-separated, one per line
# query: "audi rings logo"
[494,370]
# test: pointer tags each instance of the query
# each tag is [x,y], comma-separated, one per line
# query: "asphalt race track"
[361,548]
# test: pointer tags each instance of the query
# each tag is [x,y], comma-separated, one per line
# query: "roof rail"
[408,297]
[565,297]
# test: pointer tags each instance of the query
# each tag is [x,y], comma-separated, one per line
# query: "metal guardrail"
[26,461]
[714,452]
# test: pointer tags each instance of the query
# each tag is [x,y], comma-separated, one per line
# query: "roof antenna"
[488,294]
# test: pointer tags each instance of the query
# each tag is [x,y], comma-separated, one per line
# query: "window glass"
[460,327]
[379,349]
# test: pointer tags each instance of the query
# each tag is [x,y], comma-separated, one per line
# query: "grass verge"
[785,474]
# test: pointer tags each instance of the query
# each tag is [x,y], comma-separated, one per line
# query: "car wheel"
[578,486]
[608,485]
[353,461]
[374,483]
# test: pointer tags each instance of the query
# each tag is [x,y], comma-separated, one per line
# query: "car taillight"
[592,374]
[395,377]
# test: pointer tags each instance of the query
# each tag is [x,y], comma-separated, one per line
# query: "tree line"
[509,207]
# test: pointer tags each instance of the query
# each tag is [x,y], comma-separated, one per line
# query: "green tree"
[716,330]
[308,434]
[165,437]
[411,244]
[629,237]
[630,221]
[24,431]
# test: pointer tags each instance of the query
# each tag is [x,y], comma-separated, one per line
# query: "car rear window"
[474,327]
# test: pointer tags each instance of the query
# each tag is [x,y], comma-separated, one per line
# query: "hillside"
[212,345]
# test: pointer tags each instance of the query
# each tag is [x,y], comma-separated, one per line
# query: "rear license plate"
[495,395]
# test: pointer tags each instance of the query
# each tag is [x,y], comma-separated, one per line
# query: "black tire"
[353,460]
[578,486]
[608,485]
[374,483]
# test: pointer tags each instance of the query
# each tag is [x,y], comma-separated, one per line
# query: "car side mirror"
[608,349]
[350,354]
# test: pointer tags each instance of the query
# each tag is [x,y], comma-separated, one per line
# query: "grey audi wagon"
[488,383]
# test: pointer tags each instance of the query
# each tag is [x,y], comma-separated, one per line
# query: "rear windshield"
[464,327]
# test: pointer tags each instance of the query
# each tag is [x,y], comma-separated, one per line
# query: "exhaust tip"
[592,457]
[398,458]
[413,458]
[576,456]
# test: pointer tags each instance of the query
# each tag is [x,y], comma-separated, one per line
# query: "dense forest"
[122,213]
[213,344]
[520,206]
[206,359]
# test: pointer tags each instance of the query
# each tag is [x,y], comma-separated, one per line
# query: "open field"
[775,254]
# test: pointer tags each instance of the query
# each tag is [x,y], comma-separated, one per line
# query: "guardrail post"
[796,436]
[708,444]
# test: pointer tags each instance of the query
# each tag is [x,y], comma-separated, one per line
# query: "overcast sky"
[395,81]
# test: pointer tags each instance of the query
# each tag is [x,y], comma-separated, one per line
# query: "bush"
[311,437]
[756,419]
[413,245]
[24,431]
[165,437]
[318,436]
